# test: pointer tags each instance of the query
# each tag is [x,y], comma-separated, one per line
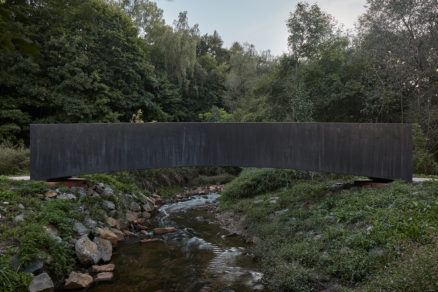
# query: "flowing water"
[199,256]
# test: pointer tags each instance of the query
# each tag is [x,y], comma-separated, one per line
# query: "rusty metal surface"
[373,150]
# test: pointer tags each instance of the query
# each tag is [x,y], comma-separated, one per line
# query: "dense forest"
[118,61]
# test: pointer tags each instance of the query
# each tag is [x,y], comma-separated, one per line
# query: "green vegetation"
[255,181]
[12,280]
[316,235]
[14,160]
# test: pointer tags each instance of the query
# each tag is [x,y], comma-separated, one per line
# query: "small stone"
[149,240]
[108,205]
[146,215]
[105,233]
[105,248]
[80,229]
[103,268]
[78,281]
[148,207]
[105,276]
[87,251]
[51,194]
[90,222]
[20,206]
[128,233]
[134,206]
[131,216]
[67,196]
[119,234]
[107,191]
[144,232]
[111,222]
[19,218]
[51,229]
[164,230]
[41,283]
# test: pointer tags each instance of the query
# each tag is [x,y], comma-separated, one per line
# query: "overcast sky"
[259,22]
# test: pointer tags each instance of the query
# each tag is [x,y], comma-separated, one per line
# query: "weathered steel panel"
[374,150]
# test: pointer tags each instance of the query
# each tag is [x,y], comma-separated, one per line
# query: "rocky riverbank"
[85,224]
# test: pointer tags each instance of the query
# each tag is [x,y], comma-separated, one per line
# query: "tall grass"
[14,160]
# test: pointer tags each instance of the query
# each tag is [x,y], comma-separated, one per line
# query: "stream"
[199,256]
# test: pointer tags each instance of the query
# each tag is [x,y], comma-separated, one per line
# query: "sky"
[258,22]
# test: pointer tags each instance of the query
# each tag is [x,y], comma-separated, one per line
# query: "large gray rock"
[105,248]
[41,283]
[87,251]
[66,196]
[148,207]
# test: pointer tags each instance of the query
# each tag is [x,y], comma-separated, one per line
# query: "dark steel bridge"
[372,150]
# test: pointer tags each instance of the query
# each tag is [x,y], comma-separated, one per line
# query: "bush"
[255,181]
[14,160]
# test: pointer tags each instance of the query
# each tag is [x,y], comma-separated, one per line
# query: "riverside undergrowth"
[324,234]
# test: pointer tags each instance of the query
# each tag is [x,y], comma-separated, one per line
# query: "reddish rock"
[105,233]
[78,280]
[131,216]
[140,221]
[105,276]
[149,240]
[164,230]
[103,268]
[144,232]
[119,234]
[51,194]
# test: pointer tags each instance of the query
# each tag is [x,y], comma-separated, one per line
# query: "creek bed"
[199,256]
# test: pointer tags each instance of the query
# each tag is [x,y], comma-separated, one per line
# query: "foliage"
[12,280]
[254,181]
[38,244]
[423,160]
[314,233]
[14,160]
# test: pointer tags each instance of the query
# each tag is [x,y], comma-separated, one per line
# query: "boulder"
[78,281]
[103,268]
[41,283]
[108,205]
[87,251]
[105,233]
[164,230]
[105,248]
[134,206]
[105,276]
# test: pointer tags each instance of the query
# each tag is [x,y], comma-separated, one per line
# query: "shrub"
[255,181]
[14,160]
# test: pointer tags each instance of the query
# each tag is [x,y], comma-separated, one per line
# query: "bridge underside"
[373,150]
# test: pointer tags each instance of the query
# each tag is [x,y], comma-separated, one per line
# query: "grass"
[12,280]
[313,235]
[14,160]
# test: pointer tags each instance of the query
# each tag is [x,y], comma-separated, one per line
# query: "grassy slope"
[317,236]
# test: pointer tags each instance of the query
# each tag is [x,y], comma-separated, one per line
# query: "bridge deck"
[374,150]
